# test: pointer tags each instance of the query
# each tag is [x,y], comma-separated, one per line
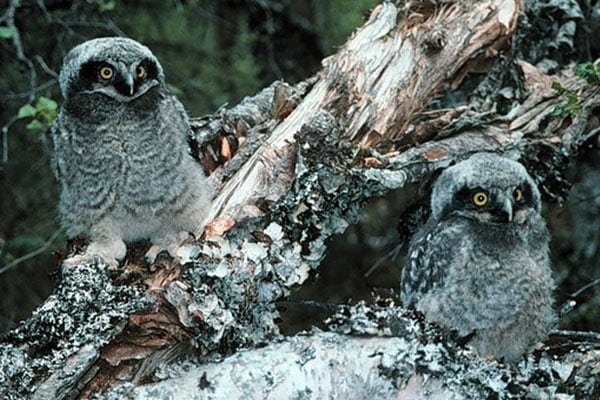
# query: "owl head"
[485,187]
[116,67]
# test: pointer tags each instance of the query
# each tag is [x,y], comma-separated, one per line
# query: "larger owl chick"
[480,264]
[121,152]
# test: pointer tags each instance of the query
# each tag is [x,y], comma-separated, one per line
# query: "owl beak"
[507,208]
[130,83]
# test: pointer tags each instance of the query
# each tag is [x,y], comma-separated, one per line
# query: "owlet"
[121,152]
[480,264]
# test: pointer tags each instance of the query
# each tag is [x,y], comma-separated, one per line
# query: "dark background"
[216,52]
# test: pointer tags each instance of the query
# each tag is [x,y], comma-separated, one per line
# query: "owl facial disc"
[119,68]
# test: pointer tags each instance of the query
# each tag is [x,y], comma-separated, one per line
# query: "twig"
[38,88]
[112,27]
[5,138]
[312,303]
[47,15]
[31,255]
[9,19]
[595,336]
[584,288]
[109,26]
[45,67]
[580,346]
[16,37]
[569,304]
[391,255]
[178,5]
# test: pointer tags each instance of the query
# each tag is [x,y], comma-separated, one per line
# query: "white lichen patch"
[86,311]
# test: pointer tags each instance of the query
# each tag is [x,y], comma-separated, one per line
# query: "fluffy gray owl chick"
[480,264]
[121,152]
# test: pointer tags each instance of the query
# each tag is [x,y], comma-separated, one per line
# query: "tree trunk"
[291,167]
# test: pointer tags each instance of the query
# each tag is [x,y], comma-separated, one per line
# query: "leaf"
[35,126]
[6,32]
[557,86]
[46,104]
[46,110]
[27,111]
[559,110]
[106,5]
[589,72]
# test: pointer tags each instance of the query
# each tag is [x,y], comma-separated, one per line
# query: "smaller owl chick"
[480,264]
[121,152]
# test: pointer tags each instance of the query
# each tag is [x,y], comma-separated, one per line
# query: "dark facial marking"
[527,197]
[90,77]
[469,199]
[149,72]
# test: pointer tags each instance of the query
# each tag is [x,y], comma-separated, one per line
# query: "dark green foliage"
[6,32]
[570,106]
[40,116]
[590,72]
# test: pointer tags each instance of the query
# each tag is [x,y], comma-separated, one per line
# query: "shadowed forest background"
[214,53]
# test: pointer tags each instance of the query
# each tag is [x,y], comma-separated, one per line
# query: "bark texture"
[374,352]
[292,166]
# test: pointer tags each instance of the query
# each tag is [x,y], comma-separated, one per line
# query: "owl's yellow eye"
[140,71]
[106,73]
[518,194]
[480,199]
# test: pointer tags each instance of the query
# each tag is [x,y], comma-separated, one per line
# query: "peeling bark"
[291,167]
[375,353]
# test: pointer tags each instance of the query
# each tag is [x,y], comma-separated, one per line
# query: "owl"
[480,264]
[121,152]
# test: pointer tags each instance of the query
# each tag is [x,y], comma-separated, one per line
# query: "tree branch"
[30,255]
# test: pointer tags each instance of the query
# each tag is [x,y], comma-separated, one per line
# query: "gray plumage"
[121,152]
[484,268]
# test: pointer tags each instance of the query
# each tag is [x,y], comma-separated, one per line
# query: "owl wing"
[432,250]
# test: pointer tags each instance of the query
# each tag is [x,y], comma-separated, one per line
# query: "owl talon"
[96,259]
[155,253]
[91,259]
[168,244]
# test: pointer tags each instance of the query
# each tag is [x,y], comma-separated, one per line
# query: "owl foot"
[169,243]
[91,259]
[97,252]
